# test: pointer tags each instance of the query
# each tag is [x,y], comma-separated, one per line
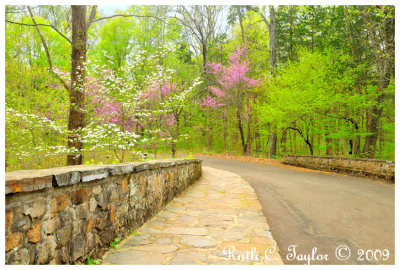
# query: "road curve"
[323,210]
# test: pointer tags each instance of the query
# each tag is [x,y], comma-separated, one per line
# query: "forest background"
[82,86]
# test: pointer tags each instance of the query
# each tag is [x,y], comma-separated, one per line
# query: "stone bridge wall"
[371,168]
[62,215]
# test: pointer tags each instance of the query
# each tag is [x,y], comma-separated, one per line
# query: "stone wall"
[371,168]
[62,215]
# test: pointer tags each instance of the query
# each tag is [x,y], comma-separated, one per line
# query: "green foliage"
[94,162]
[114,244]
[190,156]
[133,232]
[91,261]
[327,81]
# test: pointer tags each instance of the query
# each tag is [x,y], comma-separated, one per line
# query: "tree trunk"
[372,127]
[294,139]
[272,39]
[209,139]
[356,146]
[290,141]
[257,135]
[337,146]
[384,54]
[226,126]
[175,136]
[291,34]
[328,141]
[155,151]
[240,126]
[310,147]
[312,133]
[284,138]
[344,149]
[272,144]
[272,45]
[306,138]
[173,149]
[319,142]
[204,52]
[248,109]
[240,22]
[248,143]
[77,91]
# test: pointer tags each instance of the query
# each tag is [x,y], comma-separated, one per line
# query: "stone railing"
[63,215]
[371,168]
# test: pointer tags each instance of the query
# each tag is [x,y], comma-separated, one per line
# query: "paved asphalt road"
[323,210]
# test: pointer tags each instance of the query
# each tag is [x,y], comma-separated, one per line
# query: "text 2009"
[373,255]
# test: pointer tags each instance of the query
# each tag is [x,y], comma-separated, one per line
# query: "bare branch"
[92,16]
[41,24]
[128,15]
[42,39]
[261,13]
[47,51]
[190,28]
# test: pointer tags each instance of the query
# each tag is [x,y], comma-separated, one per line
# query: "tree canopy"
[149,80]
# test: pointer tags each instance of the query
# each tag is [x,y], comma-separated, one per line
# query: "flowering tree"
[131,111]
[147,106]
[167,100]
[233,88]
[177,105]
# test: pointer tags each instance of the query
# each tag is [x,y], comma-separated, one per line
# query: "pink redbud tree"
[231,87]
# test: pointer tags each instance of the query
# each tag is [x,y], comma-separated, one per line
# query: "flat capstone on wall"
[370,168]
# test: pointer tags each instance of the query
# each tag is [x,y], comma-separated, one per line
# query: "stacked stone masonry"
[371,168]
[62,215]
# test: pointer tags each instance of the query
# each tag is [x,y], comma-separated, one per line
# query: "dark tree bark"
[205,60]
[372,128]
[306,139]
[272,144]
[240,126]
[257,134]
[383,44]
[355,142]
[78,72]
[175,136]
[356,146]
[248,143]
[272,45]
[173,149]
[76,86]
[284,139]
